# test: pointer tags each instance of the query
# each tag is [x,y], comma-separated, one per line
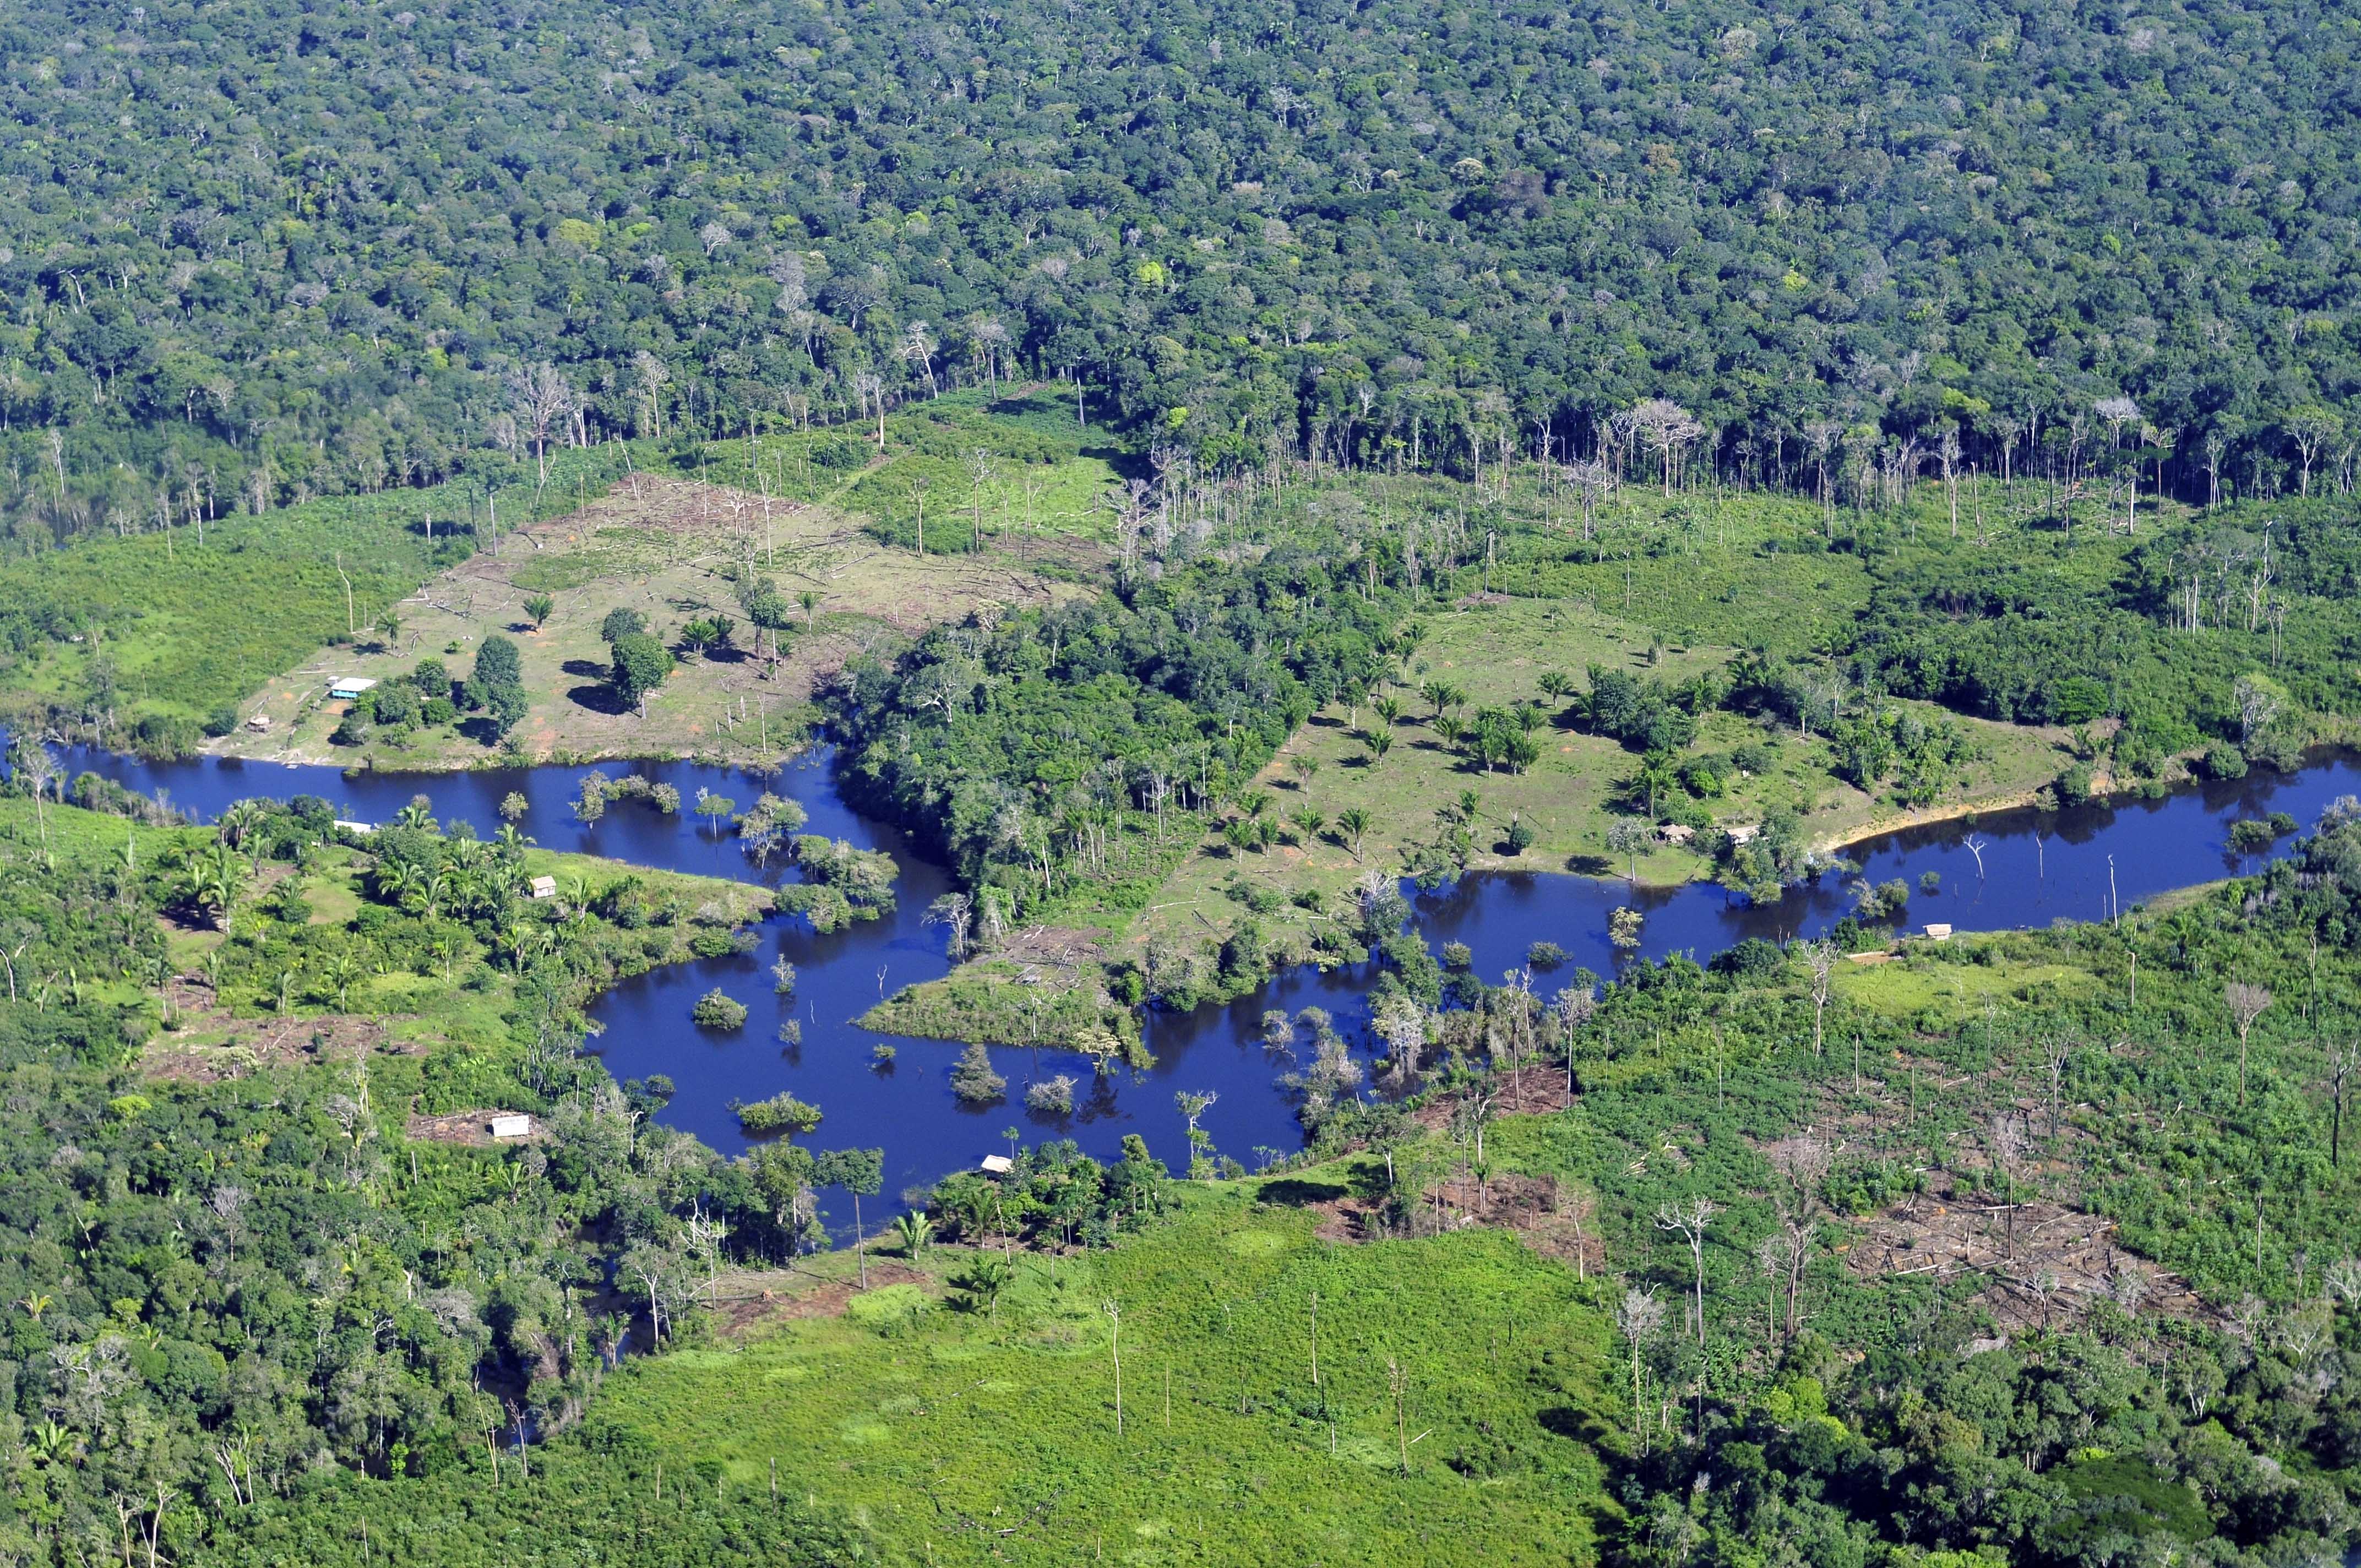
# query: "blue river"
[2029,870]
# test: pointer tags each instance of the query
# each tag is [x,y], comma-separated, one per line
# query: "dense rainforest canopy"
[252,251]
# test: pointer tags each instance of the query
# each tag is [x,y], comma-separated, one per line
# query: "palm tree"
[215,881]
[913,1231]
[985,1279]
[1310,821]
[810,602]
[1353,823]
[340,973]
[1388,709]
[1380,742]
[1554,684]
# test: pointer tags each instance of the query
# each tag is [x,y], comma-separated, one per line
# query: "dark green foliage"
[593,1505]
[1055,1192]
[1640,713]
[1077,752]
[641,662]
[265,1273]
[496,686]
[1490,214]
[718,1010]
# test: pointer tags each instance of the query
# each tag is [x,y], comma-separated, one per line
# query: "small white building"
[356,827]
[260,724]
[1741,834]
[512,1126]
[544,887]
[1937,932]
[344,688]
[995,1165]
[1675,832]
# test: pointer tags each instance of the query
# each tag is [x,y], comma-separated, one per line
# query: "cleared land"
[1496,653]
[672,549]
[397,1012]
[966,1431]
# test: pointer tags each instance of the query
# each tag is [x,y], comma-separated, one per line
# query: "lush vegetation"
[258,257]
[239,1273]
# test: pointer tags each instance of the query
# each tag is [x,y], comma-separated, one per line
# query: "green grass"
[939,1427]
[997,1002]
[180,629]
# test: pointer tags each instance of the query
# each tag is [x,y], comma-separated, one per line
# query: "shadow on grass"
[600,698]
[1295,1193]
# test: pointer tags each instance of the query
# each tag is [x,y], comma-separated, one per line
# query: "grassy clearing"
[941,1424]
[1496,653]
[675,550]
[212,1031]
[173,627]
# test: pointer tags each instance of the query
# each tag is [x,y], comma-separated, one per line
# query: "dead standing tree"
[2246,1003]
[1803,1162]
[1689,1221]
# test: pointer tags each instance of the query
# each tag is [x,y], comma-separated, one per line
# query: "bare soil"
[469,1129]
[210,1045]
[748,1300]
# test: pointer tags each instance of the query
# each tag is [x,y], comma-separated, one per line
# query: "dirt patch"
[1529,1091]
[748,1301]
[469,1129]
[2043,1260]
[1555,1219]
[1049,946]
[210,1045]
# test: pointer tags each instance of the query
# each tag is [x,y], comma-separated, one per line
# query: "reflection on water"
[2034,868]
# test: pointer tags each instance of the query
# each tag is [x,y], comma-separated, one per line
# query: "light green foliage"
[1489,1338]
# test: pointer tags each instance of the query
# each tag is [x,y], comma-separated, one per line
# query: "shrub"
[2223,760]
[221,721]
[973,1080]
[779,1114]
[1051,1096]
[2077,785]
[1457,955]
[1545,955]
[1750,959]
[716,1010]
[889,1309]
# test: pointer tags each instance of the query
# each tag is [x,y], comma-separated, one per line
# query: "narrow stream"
[2034,868]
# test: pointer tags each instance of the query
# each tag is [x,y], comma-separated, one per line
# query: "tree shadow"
[584,669]
[1589,865]
[1295,1193]
[1580,1426]
[600,698]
